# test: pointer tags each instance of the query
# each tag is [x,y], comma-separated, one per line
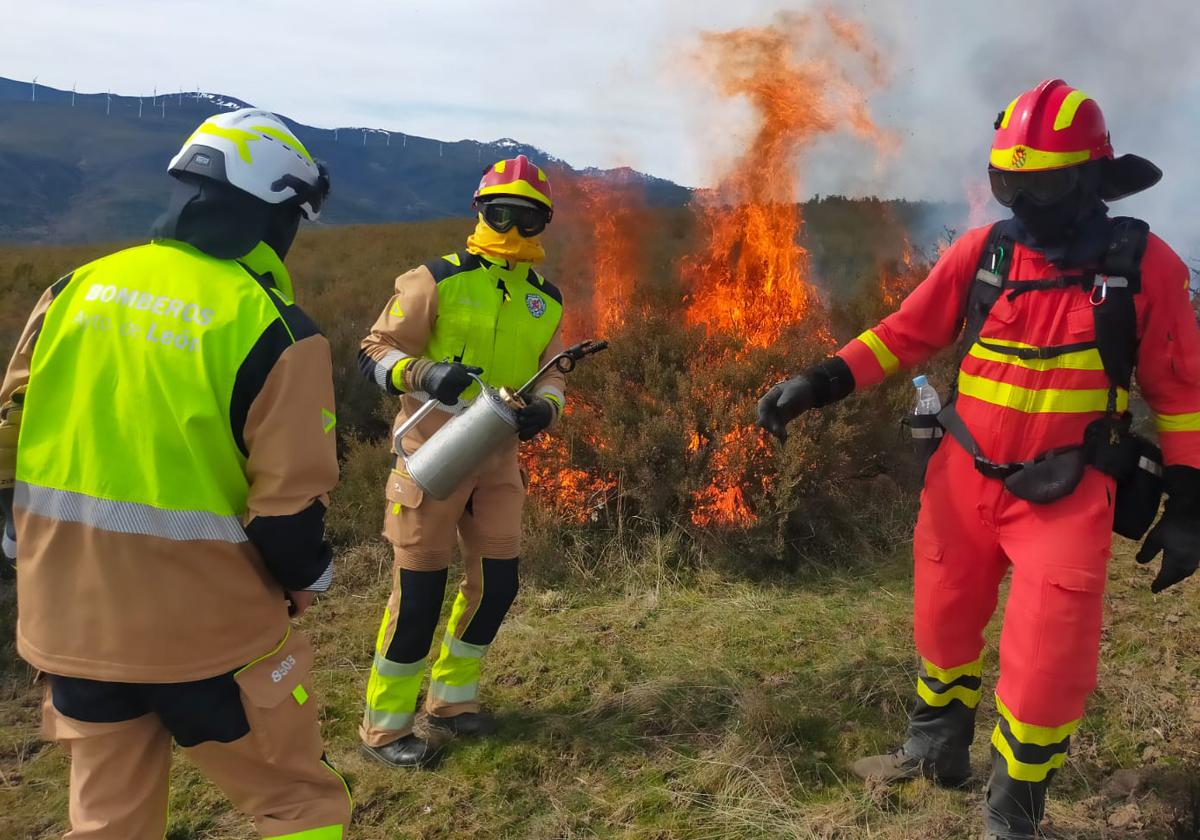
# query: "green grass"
[661,704]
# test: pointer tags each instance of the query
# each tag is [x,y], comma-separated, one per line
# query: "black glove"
[536,416]
[445,381]
[818,386]
[784,403]
[1177,534]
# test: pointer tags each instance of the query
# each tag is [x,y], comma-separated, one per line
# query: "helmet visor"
[500,217]
[1042,188]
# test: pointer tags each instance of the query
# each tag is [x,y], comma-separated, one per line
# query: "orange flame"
[600,217]
[741,460]
[751,279]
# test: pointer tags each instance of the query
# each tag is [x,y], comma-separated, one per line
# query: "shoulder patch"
[545,286]
[452,264]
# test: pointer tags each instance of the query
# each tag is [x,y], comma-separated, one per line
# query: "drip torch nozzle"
[566,360]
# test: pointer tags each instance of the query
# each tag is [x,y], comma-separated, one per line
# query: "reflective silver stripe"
[926,433]
[1150,466]
[383,368]
[128,517]
[322,583]
[389,720]
[453,693]
[1111,282]
[385,667]
[551,391]
[464,650]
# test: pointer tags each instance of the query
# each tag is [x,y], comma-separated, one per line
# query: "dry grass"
[660,703]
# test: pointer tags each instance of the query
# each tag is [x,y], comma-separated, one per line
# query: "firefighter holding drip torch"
[485,313]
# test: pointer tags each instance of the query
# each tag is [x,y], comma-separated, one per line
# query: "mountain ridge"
[85,167]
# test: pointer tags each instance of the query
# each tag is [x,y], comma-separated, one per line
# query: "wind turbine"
[108,103]
[139,107]
[33,86]
[73,86]
[364,138]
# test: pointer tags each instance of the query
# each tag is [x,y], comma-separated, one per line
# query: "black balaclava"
[1071,232]
[220,220]
[282,226]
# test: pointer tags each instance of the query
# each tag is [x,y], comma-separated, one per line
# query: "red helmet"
[516,178]
[1055,126]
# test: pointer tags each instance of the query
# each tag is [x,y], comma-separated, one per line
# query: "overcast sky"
[609,83]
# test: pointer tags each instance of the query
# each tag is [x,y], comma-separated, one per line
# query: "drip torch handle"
[565,361]
[411,423]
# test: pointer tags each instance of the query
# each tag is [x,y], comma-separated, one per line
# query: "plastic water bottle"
[926,431]
[928,401]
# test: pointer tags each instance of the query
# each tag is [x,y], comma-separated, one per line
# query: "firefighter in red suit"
[1054,308]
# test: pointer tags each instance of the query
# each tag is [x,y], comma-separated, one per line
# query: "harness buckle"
[1101,286]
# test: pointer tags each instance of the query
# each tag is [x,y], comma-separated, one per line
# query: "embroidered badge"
[1019,157]
[537,306]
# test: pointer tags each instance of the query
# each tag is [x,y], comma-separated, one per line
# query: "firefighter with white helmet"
[166,455]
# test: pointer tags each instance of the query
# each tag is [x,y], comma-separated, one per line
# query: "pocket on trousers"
[1072,611]
[928,566]
[278,707]
[401,492]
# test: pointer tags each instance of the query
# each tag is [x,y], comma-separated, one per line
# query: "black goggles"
[1042,188]
[529,221]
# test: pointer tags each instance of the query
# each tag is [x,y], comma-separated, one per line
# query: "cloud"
[601,83]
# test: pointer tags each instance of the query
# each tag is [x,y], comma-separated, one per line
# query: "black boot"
[1013,809]
[941,737]
[409,751]
[940,733]
[467,724]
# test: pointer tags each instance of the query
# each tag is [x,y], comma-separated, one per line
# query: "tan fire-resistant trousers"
[276,773]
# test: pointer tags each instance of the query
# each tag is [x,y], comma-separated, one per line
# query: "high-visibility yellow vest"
[133,416]
[497,318]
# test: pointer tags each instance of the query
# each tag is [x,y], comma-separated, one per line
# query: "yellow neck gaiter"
[511,246]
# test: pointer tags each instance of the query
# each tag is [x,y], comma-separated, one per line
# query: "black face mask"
[219,220]
[282,228]
[1052,224]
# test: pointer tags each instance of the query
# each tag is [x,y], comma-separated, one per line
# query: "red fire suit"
[971,529]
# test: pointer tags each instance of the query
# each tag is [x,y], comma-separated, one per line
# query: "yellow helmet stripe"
[1066,111]
[1008,113]
[1025,159]
[289,140]
[519,188]
[241,139]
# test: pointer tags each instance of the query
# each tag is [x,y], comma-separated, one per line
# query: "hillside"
[92,170]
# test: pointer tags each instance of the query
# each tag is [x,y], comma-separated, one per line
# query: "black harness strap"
[1030,353]
[1112,288]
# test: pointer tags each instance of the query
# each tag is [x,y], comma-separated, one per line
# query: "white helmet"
[255,152]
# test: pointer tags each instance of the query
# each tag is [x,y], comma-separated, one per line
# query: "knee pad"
[500,584]
[421,596]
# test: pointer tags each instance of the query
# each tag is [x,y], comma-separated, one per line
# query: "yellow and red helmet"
[1055,126]
[517,177]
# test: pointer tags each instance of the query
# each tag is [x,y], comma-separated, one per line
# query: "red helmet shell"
[517,177]
[1050,127]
